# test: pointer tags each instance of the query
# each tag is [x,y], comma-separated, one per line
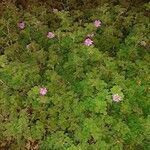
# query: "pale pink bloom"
[97,23]
[21,25]
[43,91]
[88,42]
[50,35]
[116,98]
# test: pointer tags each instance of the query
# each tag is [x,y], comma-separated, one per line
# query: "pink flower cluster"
[97,23]
[50,35]
[116,98]
[43,91]
[21,25]
[88,42]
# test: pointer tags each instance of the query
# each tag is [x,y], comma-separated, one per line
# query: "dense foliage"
[41,48]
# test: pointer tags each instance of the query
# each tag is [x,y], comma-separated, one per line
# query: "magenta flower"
[21,25]
[116,98]
[88,42]
[43,91]
[50,35]
[97,23]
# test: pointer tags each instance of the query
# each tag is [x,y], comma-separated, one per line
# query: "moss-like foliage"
[97,96]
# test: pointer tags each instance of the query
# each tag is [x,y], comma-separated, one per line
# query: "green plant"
[77,112]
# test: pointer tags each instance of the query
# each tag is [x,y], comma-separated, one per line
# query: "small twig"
[9,34]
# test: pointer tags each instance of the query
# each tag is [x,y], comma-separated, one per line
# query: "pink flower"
[21,25]
[116,98]
[88,42]
[43,91]
[50,35]
[97,23]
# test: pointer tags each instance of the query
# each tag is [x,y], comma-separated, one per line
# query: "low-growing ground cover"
[75,80]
